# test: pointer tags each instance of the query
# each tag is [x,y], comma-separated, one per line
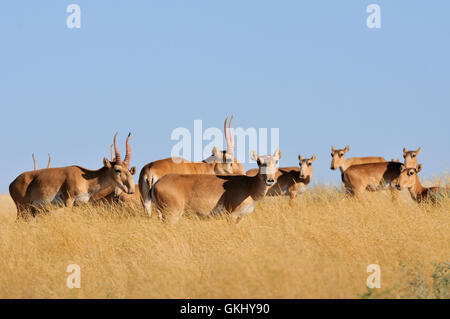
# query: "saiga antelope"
[290,180]
[220,163]
[409,179]
[114,194]
[34,161]
[373,176]
[207,194]
[338,159]
[68,185]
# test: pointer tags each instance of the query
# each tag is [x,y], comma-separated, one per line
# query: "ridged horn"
[128,151]
[229,137]
[34,162]
[116,151]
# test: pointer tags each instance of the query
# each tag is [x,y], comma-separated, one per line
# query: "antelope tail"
[146,182]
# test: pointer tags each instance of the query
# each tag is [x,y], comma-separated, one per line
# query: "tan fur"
[113,194]
[108,196]
[374,176]
[66,186]
[207,194]
[290,180]
[371,176]
[338,159]
[220,163]
[409,179]
[410,157]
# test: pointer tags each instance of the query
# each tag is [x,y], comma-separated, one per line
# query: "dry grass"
[319,248]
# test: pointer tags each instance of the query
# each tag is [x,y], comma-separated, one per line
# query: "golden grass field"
[319,248]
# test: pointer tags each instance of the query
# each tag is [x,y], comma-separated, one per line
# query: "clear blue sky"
[311,68]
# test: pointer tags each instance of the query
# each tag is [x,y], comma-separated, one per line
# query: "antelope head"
[338,157]
[406,179]
[120,171]
[306,166]
[410,157]
[267,165]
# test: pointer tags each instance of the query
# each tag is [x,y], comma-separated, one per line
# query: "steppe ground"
[318,248]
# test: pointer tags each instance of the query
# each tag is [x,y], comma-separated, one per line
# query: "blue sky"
[310,68]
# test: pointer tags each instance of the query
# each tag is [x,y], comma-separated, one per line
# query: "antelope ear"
[418,151]
[402,168]
[313,158]
[106,163]
[277,154]
[254,156]
[133,170]
[332,149]
[404,152]
[419,168]
[300,158]
[347,148]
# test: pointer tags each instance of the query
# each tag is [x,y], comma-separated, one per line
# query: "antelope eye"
[309,164]
[342,154]
[413,155]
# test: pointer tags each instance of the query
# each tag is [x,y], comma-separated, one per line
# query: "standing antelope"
[290,180]
[68,185]
[35,165]
[338,159]
[409,179]
[373,176]
[221,163]
[208,194]
[113,194]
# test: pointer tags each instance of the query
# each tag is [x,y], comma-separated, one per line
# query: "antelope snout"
[397,186]
[302,176]
[131,189]
[270,182]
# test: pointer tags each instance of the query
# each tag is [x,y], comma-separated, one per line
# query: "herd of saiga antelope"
[217,184]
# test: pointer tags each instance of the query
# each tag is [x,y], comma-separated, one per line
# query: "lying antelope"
[338,159]
[68,185]
[207,194]
[409,179]
[34,161]
[290,180]
[373,176]
[220,163]
[113,194]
